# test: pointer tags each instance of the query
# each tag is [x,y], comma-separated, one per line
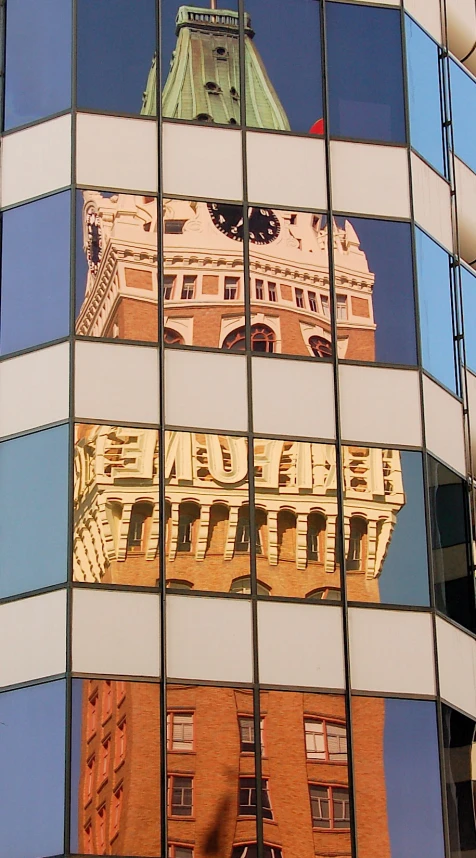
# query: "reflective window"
[115,768]
[463,107]
[365,72]
[33,467]
[469,308]
[424,94]
[305,756]
[459,745]
[212,791]
[38,60]
[200,62]
[295,517]
[35,292]
[385,527]
[397,777]
[117,299]
[116,48]
[434,296]
[454,586]
[208,530]
[32,773]
[204,281]
[283,86]
[116,505]
[375,298]
[288,255]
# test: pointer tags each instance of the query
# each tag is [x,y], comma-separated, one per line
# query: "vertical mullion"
[340,547]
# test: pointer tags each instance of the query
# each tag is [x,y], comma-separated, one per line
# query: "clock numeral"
[264,212]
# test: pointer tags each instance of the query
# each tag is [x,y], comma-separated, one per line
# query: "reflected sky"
[424,94]
[32,771]
[434,294]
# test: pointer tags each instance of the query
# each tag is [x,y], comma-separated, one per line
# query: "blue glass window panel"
[295,74]
[469,309]
[412,775]
[38,60]
[33,511]
[365,72]
[424,95]
[463,106]
[35,295]
[434,293]
[32,771]
[387,247]
[404,578]
[116,44]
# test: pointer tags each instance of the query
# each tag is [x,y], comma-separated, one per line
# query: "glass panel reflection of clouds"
[38,60]
[397,778]
[115,769]
[211,770]
[35,284]
[32,467]
[305,767]
[32,770]
[460,776]
[116,506]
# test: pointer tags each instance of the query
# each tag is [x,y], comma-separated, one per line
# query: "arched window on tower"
[139,527]
[189,514]
[217,529]
[242,538]
[321,347]
[263,339]
[357,552]
[286,535]
[173,338]
[316,527]
[243,585]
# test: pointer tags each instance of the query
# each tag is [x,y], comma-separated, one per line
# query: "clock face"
[263,225]
[94,247]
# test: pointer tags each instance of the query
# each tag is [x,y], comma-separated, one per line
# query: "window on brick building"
[315,537]
[247,734]
[89,780]
[320,347]
[243,585]
[174,226]
[247,798]
[180,731]
[250,850]
[180,795]
[188,516]
[88,838]
[141,513]
[286,535]
[341,307]
[121,742]
[259,290]
[116,810]
[242,537]
[93,704]
[325,306]
[169,284]
[188,287]
[176,851]
[357,543]
[328,594]
[325,740]
[101,827]
[329,806]
[262,339]
[231,288]
[173,338]
[311,297]
[299,295]
[105,754]
[107,700]
[272,293]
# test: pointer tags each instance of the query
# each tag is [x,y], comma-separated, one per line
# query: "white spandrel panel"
[306,410]
[444,425]
[380,405]
[116,152]
[300,645]
[33,638]
[370,179]
[202,161]
[34,389]
[391,651]
[209,638]
[36,160]
[116,382]
[285,170]
[205,390]
[456,666]
[116,633]
[432,202]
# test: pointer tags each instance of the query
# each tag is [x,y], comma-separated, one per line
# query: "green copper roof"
[204,78]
